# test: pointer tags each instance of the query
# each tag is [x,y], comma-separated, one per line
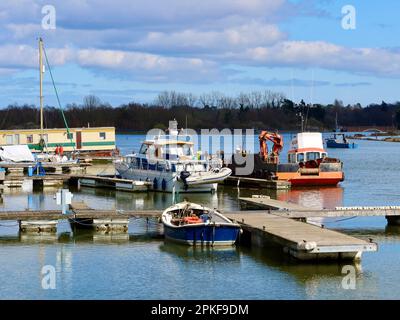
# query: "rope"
[9,225]
[344,219]
[58,98]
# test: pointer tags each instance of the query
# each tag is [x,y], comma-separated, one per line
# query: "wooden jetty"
[301,240]
[291,210]
[256,182]
[54,179]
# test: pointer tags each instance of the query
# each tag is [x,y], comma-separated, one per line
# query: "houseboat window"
[29,138]
[143,149]
[312,156]
[102,135]
[70,136]
[9,139]
[300,157]
[323,155]
[16,139]
[46,137]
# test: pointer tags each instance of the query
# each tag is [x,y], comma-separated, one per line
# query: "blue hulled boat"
[336,142]
[193,224]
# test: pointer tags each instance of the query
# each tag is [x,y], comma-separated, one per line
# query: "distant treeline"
[259,110]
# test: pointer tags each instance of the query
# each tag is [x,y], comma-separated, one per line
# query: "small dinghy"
[194,224]
[214,176]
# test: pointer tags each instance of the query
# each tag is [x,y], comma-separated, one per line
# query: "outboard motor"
[183,176]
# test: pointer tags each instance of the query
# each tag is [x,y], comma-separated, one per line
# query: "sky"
[130,50]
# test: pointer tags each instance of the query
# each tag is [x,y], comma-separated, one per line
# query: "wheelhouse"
[297,156]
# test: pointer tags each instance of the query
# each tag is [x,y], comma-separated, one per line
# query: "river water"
[140,265]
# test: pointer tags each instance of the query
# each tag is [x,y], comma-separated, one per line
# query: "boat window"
[312,156]
[291,158]
[9,139]
[187,150]
[323,155]
[144,164]
[102,135]
[143,148]
[300,157]
[29,138]
[70,136]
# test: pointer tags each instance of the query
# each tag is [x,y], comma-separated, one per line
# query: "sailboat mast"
[41,86]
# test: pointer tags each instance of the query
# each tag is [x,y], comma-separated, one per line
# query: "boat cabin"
[306,146]
[167,149]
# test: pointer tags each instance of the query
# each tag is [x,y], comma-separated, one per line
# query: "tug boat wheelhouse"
[193,224]
[169,163]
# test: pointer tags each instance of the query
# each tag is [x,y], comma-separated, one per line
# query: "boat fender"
[307,245]
[164,184]
[155,184]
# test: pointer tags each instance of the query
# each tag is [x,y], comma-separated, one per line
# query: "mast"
[41,86]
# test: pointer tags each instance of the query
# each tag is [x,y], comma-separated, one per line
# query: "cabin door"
[79,139]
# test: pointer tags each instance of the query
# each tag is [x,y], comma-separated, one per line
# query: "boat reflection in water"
[316,198]
[206,254]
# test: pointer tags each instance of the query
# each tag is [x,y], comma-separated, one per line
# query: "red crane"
[276,139]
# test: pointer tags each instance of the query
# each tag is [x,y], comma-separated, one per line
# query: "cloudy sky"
[125,50]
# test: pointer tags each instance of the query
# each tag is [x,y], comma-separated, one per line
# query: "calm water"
[140,265]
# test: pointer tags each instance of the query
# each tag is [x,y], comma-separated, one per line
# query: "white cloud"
[136,65]
[227,39]
[324,55]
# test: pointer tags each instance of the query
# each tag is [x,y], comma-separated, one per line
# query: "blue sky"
[129,50]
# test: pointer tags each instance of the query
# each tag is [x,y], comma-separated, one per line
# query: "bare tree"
[91,101]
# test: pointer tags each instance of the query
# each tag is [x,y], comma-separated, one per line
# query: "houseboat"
[98,141]
[169,163]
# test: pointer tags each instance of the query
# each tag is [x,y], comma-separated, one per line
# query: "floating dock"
[292,210]
[301,240]
[256,182]
[114,183]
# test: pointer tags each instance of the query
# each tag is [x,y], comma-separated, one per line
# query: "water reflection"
[317,198]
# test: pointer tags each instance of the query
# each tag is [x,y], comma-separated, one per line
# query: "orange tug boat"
[308,162]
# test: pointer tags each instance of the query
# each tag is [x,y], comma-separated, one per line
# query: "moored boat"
[193,224]
[308,162]
[169,163]
[336,142]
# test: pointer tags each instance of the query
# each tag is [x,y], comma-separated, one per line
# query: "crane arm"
[276,139]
